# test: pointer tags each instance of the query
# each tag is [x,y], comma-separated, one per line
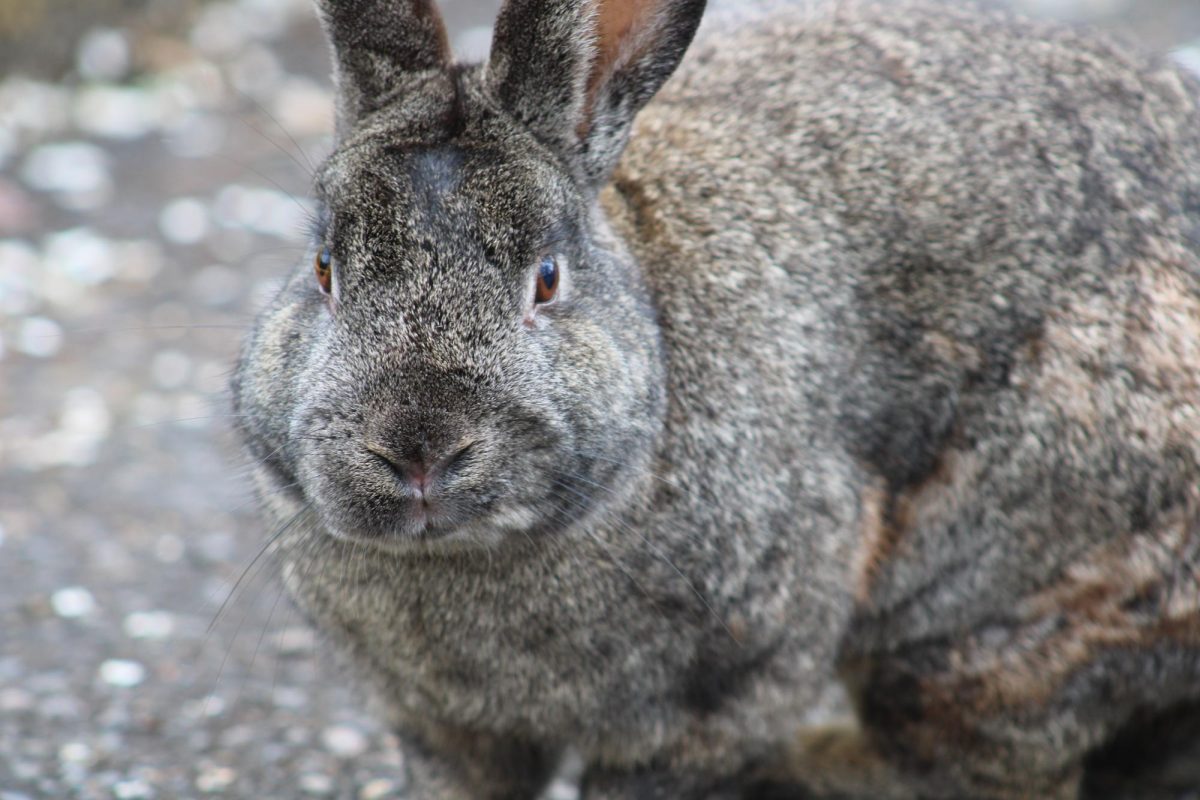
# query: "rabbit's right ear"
[576,72]
[375,43]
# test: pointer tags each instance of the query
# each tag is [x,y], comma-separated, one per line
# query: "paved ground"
[150,197]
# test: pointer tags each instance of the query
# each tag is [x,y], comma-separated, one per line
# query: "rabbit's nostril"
[419,474]
[455,460]
[404,469]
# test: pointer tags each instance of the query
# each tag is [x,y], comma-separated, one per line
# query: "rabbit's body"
[909,396]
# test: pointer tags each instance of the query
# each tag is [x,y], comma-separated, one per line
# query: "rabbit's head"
[467,353]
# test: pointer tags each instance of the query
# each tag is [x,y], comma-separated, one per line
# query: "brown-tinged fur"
[1124,359]
[877,537]
[875,358]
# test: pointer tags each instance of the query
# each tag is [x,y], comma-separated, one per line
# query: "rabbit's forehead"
[504,196]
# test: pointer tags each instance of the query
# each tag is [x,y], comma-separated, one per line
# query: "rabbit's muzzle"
[425,459]
[414,479]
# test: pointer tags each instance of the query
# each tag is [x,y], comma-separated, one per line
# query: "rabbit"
[635,423]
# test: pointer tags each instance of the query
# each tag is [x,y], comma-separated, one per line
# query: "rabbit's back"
[986,235]
[942,166]
[981,231]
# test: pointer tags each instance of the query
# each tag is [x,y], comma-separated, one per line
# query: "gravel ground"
[153,165]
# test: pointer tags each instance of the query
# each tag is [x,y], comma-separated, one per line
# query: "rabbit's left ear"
[376,44]
[576,72]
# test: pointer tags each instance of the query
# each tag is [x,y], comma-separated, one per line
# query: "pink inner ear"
[620,27]
[615,19]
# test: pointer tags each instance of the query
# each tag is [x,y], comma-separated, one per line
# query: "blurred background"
[154,159]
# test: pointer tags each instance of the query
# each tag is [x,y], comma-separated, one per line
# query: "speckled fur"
[878,359]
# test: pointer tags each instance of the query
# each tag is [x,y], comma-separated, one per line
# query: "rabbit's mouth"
[377,508]
[427,531]
[483,517]
[413,524]
[428,527]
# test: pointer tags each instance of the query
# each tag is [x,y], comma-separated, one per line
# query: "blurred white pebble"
[316,783]
[561,790]
[84,424]
[85,413]
[303,108]
[132,789]
[117,112]
[149,624]
[344,741]
[72,601]
[78,172]
[212,778]
[39,337]
[103,55]
[75,753]
[122,672]
[80,255]
[378,789]
[184,221]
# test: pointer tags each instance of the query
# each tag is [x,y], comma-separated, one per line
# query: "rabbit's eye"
[323,267]
[547,280]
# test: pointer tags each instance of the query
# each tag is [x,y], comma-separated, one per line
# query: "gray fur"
[876,359]
[376,45]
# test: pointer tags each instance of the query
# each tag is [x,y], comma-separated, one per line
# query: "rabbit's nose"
[420,470]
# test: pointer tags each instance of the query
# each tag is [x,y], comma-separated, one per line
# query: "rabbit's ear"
[575,72]
[375,42]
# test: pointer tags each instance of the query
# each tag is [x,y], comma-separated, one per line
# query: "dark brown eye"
[547,280]
[323,267]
